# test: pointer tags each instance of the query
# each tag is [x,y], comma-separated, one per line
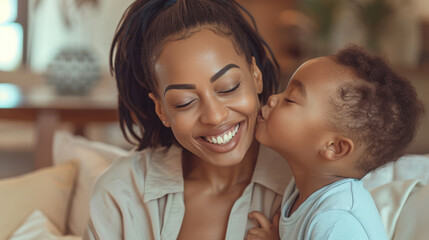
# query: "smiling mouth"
[223,138]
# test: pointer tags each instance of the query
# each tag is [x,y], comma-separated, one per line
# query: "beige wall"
[91,27]
[420,80]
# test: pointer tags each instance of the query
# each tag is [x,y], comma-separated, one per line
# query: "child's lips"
[260,117]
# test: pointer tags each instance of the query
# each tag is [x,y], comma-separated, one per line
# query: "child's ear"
[257,76]
[159,110]
[338,148]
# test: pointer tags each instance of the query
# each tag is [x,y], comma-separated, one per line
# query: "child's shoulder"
[344,195]
[349,205]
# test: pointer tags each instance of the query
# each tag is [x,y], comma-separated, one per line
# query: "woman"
[191,76]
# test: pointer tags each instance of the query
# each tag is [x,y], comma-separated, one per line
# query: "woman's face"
[208,95]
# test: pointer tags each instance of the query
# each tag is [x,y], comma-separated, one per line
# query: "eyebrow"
[298,84]
[215,77]
[222,72]
[179,86]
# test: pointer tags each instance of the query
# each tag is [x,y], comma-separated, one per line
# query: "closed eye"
[186,104]
[231,90]
[289,101]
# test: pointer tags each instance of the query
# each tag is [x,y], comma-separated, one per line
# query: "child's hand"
[268,230]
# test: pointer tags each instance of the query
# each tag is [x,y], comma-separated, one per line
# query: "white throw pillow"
[403,209]
[93,158]
[37,226]
[414,218]
[48,189]
[390,200]
[396,190]
[406,168]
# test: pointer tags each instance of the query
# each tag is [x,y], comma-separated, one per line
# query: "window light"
[10,95]
[8,10]
[11,42]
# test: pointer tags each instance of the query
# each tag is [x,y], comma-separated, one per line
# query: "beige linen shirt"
[141,196]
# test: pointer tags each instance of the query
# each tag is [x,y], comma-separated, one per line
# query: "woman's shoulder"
[132,169]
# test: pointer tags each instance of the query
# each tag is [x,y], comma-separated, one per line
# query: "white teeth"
[226,138]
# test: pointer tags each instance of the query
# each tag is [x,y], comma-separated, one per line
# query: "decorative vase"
[74,71]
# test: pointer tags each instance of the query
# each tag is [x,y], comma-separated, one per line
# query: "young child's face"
[296,123]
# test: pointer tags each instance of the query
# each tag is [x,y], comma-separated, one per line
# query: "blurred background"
[54,61]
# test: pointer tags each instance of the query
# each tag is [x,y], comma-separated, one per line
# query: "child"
[341,117]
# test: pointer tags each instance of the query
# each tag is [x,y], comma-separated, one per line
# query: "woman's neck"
[220,179]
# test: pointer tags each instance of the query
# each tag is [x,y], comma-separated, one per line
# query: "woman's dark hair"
[143,30]
[378,108]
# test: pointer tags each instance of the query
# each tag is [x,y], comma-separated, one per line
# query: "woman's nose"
[214,112]
[272,100]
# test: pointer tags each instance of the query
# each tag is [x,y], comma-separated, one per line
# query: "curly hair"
[145,28]
[378,108]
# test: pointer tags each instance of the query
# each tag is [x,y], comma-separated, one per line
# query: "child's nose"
[272,101]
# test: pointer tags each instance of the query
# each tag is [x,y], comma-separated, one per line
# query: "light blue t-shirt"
[341,210]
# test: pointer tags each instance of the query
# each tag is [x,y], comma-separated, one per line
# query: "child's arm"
[268,230]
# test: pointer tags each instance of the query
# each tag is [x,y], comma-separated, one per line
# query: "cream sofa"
[52,203]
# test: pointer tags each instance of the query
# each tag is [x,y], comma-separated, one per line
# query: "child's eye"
[231,90]
[184,105]
[289,101]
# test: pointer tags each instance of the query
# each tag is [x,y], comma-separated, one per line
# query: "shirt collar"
[165,175]
[271,170]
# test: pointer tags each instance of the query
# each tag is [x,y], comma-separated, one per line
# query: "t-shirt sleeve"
[336,224]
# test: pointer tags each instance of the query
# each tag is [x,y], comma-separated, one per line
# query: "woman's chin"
[226,159]
[222,163]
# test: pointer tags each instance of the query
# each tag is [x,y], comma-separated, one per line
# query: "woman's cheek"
[247,103]
[183,123]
